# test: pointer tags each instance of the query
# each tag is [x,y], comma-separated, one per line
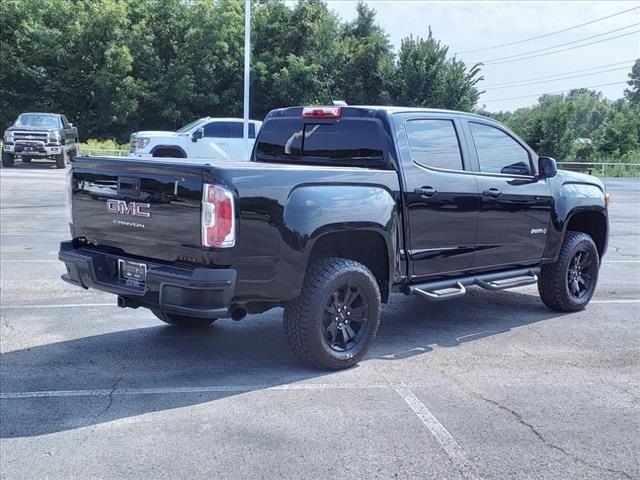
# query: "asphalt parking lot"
[492,386]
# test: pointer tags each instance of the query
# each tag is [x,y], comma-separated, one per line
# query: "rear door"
[441,194]
[516,205]
[236,148]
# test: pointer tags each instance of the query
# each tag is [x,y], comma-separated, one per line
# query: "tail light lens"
[321,112]
[218,217]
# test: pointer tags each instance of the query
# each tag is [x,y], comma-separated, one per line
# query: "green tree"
[366,72]
[633,93]
[426,77]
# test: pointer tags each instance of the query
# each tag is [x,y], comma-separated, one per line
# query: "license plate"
[132,273]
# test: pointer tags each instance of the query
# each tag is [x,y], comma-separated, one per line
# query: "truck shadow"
[227,359]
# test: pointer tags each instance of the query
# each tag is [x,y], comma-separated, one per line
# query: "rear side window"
[498,152]
[434,143]
[237,128]
[356,142]
[280,140]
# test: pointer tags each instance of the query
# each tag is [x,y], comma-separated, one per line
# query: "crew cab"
[339,208]
[213,138]
[39,135]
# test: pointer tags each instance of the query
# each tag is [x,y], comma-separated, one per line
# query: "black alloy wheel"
[580,274]
[568,284]
[334,320]
[346,318]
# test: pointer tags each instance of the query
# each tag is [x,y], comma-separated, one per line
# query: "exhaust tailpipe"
[238,314]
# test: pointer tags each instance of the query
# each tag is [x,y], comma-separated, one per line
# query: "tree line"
[581,125]
[117,66]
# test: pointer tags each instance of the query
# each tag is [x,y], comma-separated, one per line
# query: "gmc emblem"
[131,208]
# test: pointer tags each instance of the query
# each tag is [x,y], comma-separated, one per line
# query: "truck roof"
[396,109]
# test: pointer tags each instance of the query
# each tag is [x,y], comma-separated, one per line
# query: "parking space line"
[622,300]
[57,305]
[183,390]
[112,304]
[620,261]
[34,234]
[30,261]
[449,444]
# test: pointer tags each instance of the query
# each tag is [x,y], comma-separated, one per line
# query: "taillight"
[321,112]
[218,217]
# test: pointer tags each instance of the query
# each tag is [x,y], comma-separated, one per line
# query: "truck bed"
[280,210]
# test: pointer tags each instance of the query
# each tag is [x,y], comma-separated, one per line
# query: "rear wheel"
[26,159]
[569,284]
[334,321]
[7,159]
[183,321]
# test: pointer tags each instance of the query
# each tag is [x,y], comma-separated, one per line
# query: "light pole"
[247,72]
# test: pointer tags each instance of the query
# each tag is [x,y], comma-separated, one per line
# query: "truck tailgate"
[140,207]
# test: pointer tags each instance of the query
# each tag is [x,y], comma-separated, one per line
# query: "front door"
[515,204]
[214,143]
[441,196]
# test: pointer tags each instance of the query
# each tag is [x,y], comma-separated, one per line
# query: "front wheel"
[183,321]
[569,284]
[334,321]
[61,160]
[7,160]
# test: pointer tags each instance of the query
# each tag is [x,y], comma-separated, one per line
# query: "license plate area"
[132,274]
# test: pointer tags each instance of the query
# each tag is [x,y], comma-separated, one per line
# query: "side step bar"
[455,287]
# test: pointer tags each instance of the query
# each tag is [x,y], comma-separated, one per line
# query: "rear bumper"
[195,292]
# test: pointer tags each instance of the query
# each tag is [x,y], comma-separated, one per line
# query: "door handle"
[492,192]
[426,191]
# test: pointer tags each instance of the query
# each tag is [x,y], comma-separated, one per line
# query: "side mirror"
[8,124]
[547,167]
[70,125]
[197,135]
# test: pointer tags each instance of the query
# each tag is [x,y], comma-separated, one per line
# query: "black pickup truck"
[339,207]
[39,135]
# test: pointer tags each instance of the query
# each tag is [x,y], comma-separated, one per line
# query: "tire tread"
[299,313]
[552,281]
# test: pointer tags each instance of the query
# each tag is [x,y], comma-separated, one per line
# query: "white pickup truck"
[215,138]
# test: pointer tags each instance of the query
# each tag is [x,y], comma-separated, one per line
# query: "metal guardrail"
[101,152]
[601,167]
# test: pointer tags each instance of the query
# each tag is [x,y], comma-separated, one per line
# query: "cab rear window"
[354,142]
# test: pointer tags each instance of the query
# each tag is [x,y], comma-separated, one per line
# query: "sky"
[466,25]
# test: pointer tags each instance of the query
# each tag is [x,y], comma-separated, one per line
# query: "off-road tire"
[61,160]
[553,284]
[183,321]
[304,317]
[7,160]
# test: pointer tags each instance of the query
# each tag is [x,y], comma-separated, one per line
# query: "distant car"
[40,135]
[215,138]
